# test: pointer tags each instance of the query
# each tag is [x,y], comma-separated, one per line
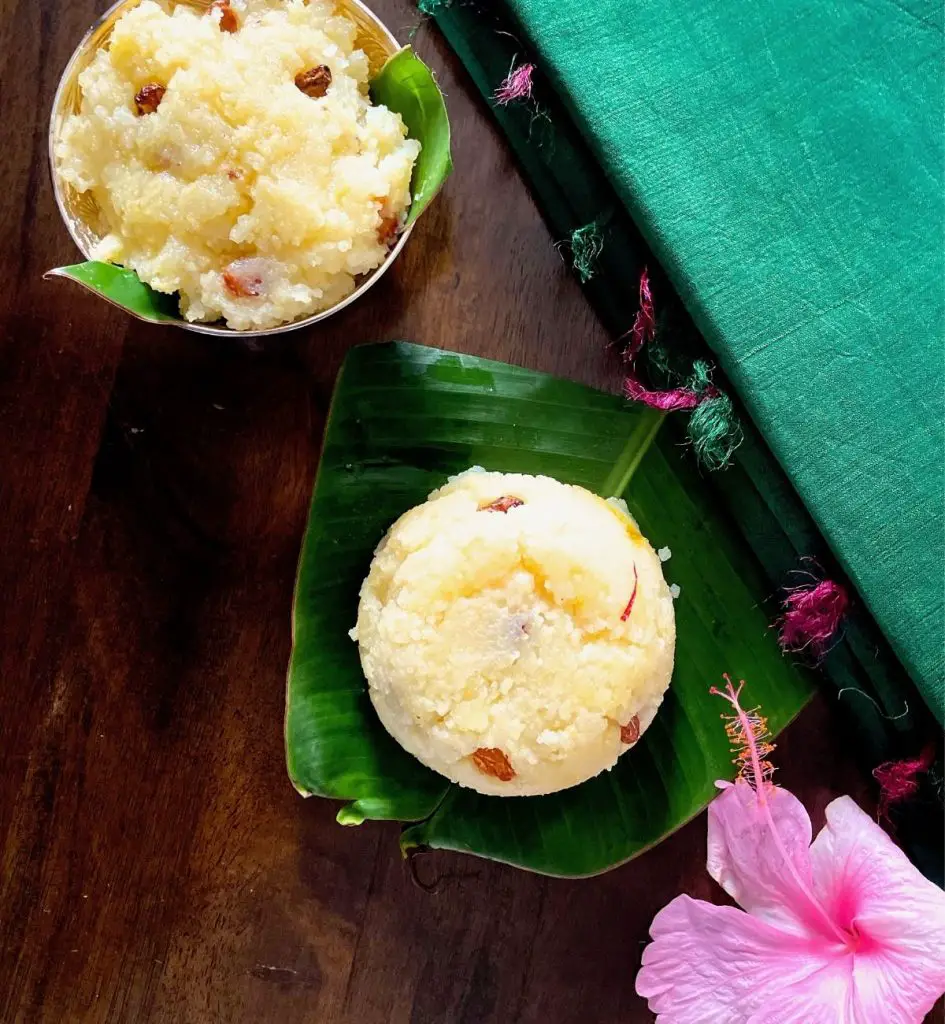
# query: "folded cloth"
[783,160]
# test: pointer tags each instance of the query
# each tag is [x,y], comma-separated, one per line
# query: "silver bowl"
[80,212]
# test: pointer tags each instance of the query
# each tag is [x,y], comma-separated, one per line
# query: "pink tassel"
[812,616]
[641,333]
[644,323]
[899,780]
[669,401]
[713,429]
[516,86]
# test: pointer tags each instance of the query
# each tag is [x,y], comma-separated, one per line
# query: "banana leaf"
[403,419]
[405,85]
[122,288]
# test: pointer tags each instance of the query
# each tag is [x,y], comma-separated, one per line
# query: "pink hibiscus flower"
[843,930]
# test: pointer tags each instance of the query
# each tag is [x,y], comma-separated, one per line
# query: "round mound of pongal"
[516,633]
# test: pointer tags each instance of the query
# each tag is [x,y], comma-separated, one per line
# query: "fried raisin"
[502,504]
[315,81]
[492,761]
[228,19]
[148,98]
[630,732]
[243,286]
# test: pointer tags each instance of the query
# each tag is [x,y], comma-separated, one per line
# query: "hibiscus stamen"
[748,733]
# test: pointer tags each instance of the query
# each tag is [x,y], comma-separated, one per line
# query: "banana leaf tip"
[350,814]
[300,789]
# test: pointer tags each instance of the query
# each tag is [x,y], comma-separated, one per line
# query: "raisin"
[148,98]
[228,19]
[243,286]
[502,504]
[388,230]
[492,761]
[315,81]
[630,732]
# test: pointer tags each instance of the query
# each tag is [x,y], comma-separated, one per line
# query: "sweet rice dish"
[516,633]
[237,158]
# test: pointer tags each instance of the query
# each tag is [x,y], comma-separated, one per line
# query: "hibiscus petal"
[717,964]
[763,872]
[869,887]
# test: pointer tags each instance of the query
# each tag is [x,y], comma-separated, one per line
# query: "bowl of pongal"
[242,166]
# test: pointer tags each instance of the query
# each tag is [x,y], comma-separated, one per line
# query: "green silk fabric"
[783,161]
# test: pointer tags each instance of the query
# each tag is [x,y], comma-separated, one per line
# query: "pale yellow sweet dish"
[516,633]
[257,201]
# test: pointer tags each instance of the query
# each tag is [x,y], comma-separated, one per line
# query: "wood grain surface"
[156,864]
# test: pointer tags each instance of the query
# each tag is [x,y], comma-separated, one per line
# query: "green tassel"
[713,428]
[587,243]
[657,355]
[432,7]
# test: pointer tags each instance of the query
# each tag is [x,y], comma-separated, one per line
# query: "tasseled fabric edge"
[432,7]
[517,84]
[899,780]
[643,331]
[672,400]
[713,429]
[812,615]
[586,243]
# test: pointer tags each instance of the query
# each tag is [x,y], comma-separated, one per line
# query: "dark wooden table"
[157,865]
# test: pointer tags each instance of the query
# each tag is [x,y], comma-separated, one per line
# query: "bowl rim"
[197,327]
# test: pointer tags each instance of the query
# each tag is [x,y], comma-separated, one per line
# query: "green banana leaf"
[405,85]
[403,419]
[122,288]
